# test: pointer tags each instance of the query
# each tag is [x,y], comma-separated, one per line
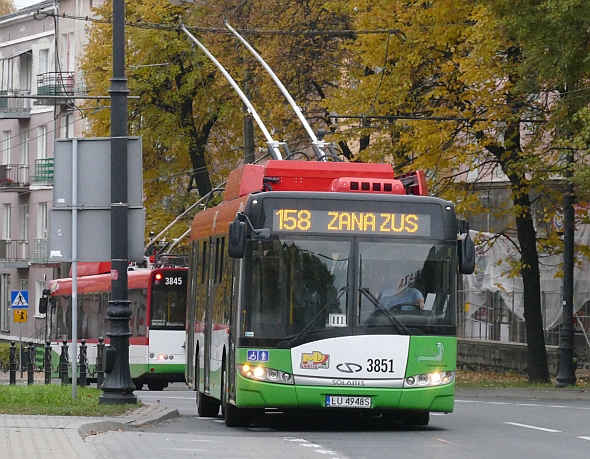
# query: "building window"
[67,128]
[42,142]
[25,145]
[42,220]
[5,147]
[24,222]
[67,52]
[6,211]
[43,60]
[7,74]
[4,302]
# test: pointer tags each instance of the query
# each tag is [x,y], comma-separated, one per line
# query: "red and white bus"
[158,303]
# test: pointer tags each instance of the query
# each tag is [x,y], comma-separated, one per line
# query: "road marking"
[533,427]
[585,438]
[498,403]
[318,449]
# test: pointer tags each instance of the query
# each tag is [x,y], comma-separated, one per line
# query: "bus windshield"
[302,289]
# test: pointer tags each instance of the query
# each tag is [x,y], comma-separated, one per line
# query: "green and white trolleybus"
[321,285]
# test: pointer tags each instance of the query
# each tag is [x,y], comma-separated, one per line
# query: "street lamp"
[567,367]
[118,386]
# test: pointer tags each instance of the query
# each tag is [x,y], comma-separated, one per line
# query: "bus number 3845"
[173,281]
[380,365]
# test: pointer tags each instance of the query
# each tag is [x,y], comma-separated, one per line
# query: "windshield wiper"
[290,343]
[401,327]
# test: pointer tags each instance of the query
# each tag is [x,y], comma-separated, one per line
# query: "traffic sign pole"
[20,348]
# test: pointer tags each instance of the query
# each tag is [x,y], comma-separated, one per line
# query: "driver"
[403,295]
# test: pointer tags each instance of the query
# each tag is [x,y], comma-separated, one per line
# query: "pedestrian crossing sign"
[19,299]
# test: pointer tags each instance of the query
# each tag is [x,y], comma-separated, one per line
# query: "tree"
[6,7]
[188,115]
[456,69]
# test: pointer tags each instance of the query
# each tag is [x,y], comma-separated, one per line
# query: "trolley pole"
[118,386]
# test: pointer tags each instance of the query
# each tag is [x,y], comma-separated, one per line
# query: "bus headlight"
[259,373]
[430,379]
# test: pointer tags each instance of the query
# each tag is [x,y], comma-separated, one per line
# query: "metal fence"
[494,316]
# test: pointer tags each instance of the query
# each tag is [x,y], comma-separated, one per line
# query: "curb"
[144,415]
[579,395]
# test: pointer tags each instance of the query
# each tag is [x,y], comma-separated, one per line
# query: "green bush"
[5,354]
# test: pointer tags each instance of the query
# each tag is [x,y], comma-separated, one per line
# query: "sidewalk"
[62,437]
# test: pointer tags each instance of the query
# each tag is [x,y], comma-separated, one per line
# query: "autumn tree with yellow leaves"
[439,85]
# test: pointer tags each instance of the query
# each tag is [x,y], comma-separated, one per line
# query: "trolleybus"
[158,303]
[293,279]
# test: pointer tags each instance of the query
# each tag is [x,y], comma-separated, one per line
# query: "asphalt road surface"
[480,427]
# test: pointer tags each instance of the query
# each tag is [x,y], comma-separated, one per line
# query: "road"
[482,427]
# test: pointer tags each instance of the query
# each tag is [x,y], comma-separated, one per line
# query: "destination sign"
[382,223]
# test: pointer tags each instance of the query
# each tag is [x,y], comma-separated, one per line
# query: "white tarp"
[493,266]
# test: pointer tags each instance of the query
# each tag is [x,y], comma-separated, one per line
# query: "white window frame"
[44,61]
[25,143]
[24,222]
[67,52]
[42,220]
[42,142]
[6,146]
[4,302]
[6,212]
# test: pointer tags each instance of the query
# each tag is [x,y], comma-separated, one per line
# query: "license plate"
[339,401]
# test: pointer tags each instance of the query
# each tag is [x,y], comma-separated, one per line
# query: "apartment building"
[39,86]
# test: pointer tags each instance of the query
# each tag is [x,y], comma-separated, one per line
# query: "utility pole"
[249,155]
[118,386]
[567,366]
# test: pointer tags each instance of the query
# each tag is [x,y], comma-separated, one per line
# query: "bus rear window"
[168,301]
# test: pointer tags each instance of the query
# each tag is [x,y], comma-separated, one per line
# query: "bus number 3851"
[380,365]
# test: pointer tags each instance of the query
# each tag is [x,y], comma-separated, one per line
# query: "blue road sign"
[19,299]
[257,356]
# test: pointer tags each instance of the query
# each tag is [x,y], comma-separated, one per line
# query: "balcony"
[40,255]
[14,251]
[55,86]
[14,177]
[43,172]
[14,107]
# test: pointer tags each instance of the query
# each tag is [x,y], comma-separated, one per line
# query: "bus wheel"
[234,417]
[157,385]
[207,407]
[138,384]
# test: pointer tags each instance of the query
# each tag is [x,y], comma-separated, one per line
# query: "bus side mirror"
[43,301]
[237,238]
[466,254]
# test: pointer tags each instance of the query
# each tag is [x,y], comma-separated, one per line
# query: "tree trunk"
[196,149]
[531,281]
[509,159]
